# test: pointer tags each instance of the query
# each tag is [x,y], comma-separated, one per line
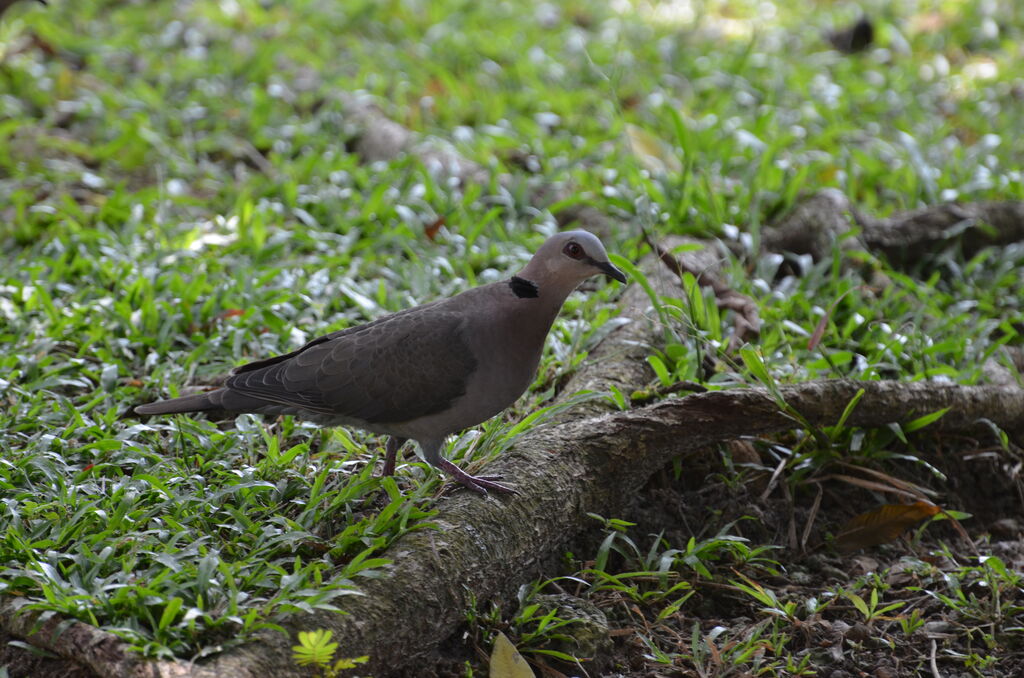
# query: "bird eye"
[573,250]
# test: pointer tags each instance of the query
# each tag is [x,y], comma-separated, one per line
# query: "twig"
[931,662]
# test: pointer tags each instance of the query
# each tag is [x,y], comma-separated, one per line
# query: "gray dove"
[422,373]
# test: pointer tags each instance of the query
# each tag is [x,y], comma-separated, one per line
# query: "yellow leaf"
[506,662]
[654,154]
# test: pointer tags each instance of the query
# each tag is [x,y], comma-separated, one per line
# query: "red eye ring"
[573,250]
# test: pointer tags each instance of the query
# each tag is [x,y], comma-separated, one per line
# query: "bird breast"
[500,378]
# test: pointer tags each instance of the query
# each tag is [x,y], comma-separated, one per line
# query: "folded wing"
[398,368]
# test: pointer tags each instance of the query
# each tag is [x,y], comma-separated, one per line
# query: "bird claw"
[479,484]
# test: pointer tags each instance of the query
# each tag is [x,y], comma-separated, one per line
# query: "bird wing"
[397,368]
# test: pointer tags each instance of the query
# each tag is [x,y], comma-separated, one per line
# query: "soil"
[985,637]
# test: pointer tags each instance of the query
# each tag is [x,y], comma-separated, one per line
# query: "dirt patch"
[927,606]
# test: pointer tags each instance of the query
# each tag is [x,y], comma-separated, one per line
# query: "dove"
[423,373]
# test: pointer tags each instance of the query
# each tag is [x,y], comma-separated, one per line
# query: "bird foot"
[479,484]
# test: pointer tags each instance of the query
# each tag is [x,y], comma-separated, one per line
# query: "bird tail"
[198,402]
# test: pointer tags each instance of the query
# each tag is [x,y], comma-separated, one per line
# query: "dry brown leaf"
[882,524]
[431,229]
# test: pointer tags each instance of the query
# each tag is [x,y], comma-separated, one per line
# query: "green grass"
[708,607]
[176,198]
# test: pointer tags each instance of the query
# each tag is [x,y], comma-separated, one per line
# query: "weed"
[316,649]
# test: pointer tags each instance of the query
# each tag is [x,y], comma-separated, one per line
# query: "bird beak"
[610,271]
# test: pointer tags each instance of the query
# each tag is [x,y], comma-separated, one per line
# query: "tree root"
[816,224]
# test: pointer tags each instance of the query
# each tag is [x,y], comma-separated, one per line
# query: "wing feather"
[400,367]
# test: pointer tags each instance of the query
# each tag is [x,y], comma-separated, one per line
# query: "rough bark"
[85,646]
[721,415]
[816,224]
[378,138]
[488,548]
[704,266]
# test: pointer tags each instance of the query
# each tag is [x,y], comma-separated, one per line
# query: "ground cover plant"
[181,191]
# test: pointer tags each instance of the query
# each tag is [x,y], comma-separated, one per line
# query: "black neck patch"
[523,288]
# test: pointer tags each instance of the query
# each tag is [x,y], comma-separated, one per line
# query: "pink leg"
[478,484]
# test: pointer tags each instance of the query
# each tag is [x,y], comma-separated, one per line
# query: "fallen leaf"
[655,155]
[506,662]
[220,317]
[431,229]
[882,524]
[435,88]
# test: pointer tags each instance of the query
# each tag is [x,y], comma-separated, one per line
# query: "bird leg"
[432,455]
[391,454]
[478,484]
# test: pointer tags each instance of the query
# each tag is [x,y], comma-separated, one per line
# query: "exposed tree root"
[84,646]
[486,549]
[816,224]
[704,266]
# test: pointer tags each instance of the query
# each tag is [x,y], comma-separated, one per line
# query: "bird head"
[568,258]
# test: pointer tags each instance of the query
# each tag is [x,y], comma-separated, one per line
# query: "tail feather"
[198,402]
